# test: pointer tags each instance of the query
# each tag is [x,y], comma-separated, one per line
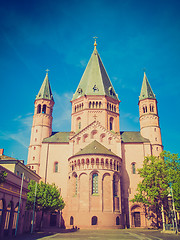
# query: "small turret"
[149,119]
[42,123]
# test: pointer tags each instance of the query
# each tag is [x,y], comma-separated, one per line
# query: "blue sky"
[133,35]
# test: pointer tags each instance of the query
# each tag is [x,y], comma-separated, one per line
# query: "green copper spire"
[45,90]
[146,90]
[95,80]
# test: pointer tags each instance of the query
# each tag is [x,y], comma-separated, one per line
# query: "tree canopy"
[48,198]
[158,174]
[3,176]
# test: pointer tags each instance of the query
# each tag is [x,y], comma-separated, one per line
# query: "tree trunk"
[41,222]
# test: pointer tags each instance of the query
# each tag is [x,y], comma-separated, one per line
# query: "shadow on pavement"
[41,234]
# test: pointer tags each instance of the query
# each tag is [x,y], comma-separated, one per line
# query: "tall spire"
[45,90]
[146,90]
[95,80]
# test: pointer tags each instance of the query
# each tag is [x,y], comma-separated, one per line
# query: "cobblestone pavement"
[122,234]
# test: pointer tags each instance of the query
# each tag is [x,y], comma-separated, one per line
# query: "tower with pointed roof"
[149,119]
[42,123]
[95,98]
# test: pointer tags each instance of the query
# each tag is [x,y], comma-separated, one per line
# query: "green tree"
[48,198]
[3,176]
[158,174]
[173,168]
[152,190]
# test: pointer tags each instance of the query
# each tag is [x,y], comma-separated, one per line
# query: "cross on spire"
[47,70]
[95,44]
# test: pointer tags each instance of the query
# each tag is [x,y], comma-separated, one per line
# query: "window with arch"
[151,108]
[56,167]
[95,183]
[100,104]
[111,120]
[133,168]
[39,109]
[71,220]
[90,105]
[44,109]
[117,221]
[94,220]
[144,109]
[78,123]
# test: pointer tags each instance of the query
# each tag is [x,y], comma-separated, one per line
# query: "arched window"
[15,216]
[111,123]
[151,108]
[95,183]
[100,104]
[75,108]
[56,167]
[78,122]
[89,104]
[93,105]
[133,168]
[108,106]
[39,109]
[44,109]
[71,220]
[117,221]
[94,220]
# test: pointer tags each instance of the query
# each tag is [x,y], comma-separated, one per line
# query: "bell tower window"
[44,109]
[111,123]
[39,109]
[95,183]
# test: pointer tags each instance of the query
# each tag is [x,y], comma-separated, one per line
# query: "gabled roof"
[95,148]
[95,80]
[146,90]
[133,137]
[45,90]
[58,137]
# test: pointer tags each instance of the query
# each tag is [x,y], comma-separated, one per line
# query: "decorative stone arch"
[102,136]
[93,133]
[9,218]
[85,136]
[136,215]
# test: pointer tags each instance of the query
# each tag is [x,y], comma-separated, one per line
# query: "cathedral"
[95,164]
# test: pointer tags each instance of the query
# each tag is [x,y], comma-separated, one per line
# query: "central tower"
[95,98]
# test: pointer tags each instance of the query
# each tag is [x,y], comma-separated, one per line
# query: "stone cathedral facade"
[95,164]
